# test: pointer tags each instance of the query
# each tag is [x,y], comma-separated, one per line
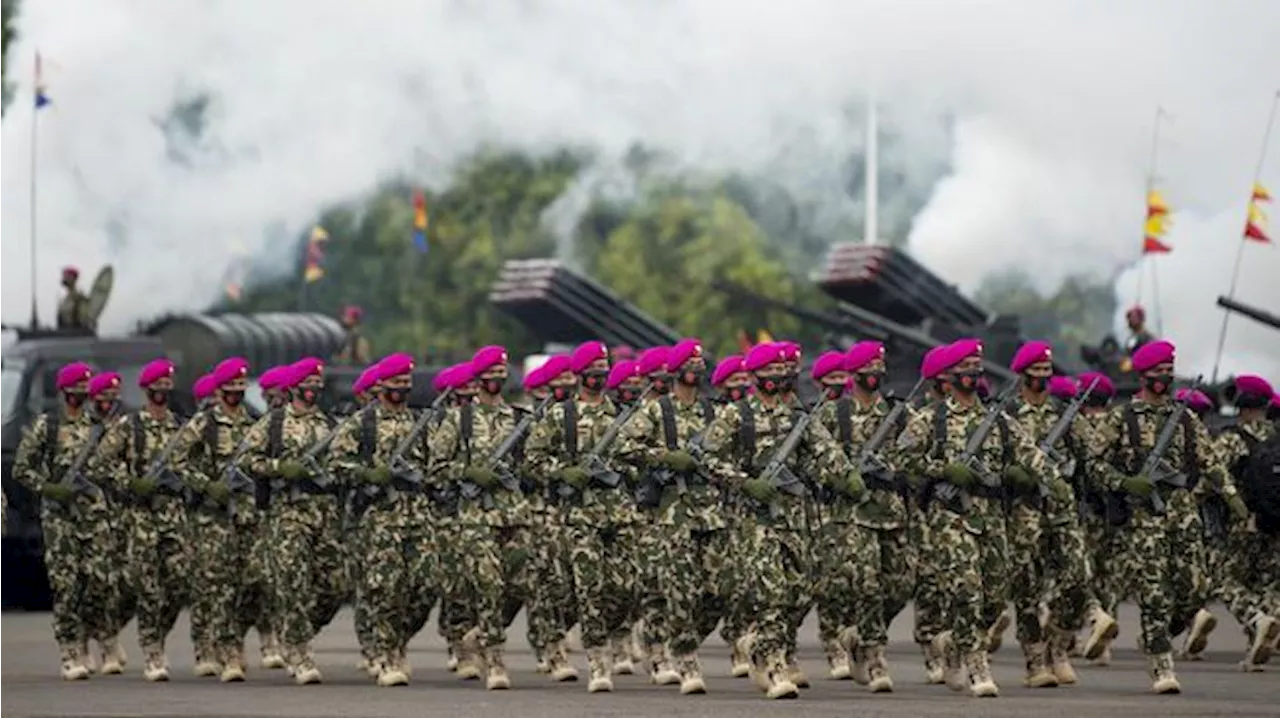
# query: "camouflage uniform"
[307,573]
[688,534]
[601,527]
[967,545]
[221,549]
[927,618]
[75,530]
[1147,566]
[1101,538]
[157,542]
[869,570]
[379,542]
[773,564]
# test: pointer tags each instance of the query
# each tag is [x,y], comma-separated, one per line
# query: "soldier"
[355,347]
[156,542]
[364,389]
[1244,562]
[1046,542]
[73,310]
[306,570]
[1100,537]
[601,520]
[625,382]
[652,365]
[883,572]
[730,380]
[272,382]
[689,540]
[774,562]
[1136,318]
[202,392]
[275,384]
[206,446]
[1123,445]
[104,392]
[967,541]
[74,516]
[935,370]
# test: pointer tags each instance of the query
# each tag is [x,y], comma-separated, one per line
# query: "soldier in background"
[1136,319]
[1101,538]
[355,347]
[73,309]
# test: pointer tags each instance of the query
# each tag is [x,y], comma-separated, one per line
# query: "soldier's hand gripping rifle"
[870,462]
[319,476]
[75,479]
[598,471]
[1156,469]
[972,458]
[497,460]
[401,472]
[235,477]
[1066,464]
[160,472]
[776,471]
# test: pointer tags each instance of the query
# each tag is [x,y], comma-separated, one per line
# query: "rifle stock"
[1066,465]
[869,459]
[596,467]
[1155,467]
[75,478]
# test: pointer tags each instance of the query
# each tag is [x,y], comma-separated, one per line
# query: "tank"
[197,342]
[1257,315]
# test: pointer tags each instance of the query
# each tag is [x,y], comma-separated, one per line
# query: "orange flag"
[1156,226]
[1151,245]
[1255,224]
[1260,193]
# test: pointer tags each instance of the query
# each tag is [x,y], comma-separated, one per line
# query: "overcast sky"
[1052,104]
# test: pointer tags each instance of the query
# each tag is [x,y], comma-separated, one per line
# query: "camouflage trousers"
[1028,574]
[967,555]
[773,579]
[307,574]
[1065,557]
[1103,549]
[427,575]
[692,577]
[385,587]
[737,612]
[897,558]
[605,569]
[522,570]
[929,600]
[476,594]
[849,580]
[81,579]
[556,576]
[1245,570]
[653,609]
[128,574]
[255,600]
[1144,571]
[160,562]
[1188,573]
[357,553]
[220,555]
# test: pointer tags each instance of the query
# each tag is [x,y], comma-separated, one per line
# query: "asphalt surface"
[31,686]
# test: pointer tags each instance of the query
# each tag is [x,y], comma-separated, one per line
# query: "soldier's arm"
[719,447]
[442,465]
[109,461]
[823,456]
[256,459]
[541,452]
[29,469]
[190,458]
[639,443]
[914,447]
[1027,454]
[1103,453]
[1213,462]
[344,452]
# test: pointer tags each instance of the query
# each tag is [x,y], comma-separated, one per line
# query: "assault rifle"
[971,457]
[235,477]
[75,478]
[320,476]
[776,471]
[649,494]
[597,470]
[497,461]
[870,462]
[159,470]
[1066,464]
[1156,468]
[401,472]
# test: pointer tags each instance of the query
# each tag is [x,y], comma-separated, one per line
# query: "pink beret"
[727,367]
[442,380]
[621,372]
[683,351]
[397,364]
[487,358]
[1252,384]
[1275,401]
[586,353]
[1063,387]
[790,351]
[203,388]
[72,374]
[104,381]
[934,362]
[229,370]
[862,354]
[462,375]
[1196,400]
[154,371]
[273,378]
[557,365]
[307,367]
[1030,353]
[1152,354]
[535,379]
[827,363]
[653,360]
[365,381]
[960,350]
[762,355]
[1103,387]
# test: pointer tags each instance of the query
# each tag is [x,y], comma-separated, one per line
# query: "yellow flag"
[763,336]
[1157,226]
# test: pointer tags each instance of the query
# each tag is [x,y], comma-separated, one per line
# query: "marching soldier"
[935,370]
[272,383]
[730,381]
[363,390]
[773,564]
[202,392]
[1124,447]
[156,544]
[104,400]
[1100,535]
[74,516]
[206,447]
[73,310]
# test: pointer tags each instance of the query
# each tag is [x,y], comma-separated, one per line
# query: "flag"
[1255,223]
[1156,225]
[313,269]
[1260,193]
[1151,245]
[42,91]
[420,220]
[763,336]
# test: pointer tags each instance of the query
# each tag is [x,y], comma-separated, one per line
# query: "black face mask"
[492,386]
[560,393]
[1252,401]
[1097,402]
[1158,384]
[626,396]
[1037,384]
[736,393]
[308,395]
[106,407]
[159,397]
[278,401]
[787,383]
[967,382]
[833,391]
[869,381]
[396,396]
[661,384]
[75,399]
[595,379]
[463,399]
[233,398]
[770,385]
[692,377]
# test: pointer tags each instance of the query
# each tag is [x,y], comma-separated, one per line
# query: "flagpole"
[1235,269]
[1151,185]
[35,137]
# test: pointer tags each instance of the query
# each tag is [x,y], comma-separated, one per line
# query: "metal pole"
[871,225]
[35,137]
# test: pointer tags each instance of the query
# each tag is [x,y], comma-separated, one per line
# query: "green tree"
[1079,313]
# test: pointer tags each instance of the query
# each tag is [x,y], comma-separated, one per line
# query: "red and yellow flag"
[313,267]
[1255,224]
[1157,225]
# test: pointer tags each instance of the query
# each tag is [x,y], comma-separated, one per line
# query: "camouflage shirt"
[200,462]
[119,459]
[645,440]
[300,430]
[817,460]
[455,446]
[1037,420]
[1233,448]
[347,459]
[1114,458]
[546,452]
[36,464]
[884,507]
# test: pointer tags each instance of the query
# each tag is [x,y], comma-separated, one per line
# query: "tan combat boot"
[451,663]
[1262,632]
[691,681]
[469,657]
[205,666]
[837,660]
[1060,656]
[995,634]
[156,668]
[1103,629]
[114,659]
[878,671]
[305,671]
[934,673]
[795,674]
[272,658]
[740,659]
[542,664]
[661,670]
[620,652]
[496,678]
[558,665]
[600,663]
[1162,678]
[981,683]
[390,671]
[777,679]
[953,668]
[1198,635]
[73,667]
[1038,673]
[232,666]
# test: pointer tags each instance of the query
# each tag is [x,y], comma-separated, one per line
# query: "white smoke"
[315,102]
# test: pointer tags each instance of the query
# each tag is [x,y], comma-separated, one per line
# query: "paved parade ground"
[31,686]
